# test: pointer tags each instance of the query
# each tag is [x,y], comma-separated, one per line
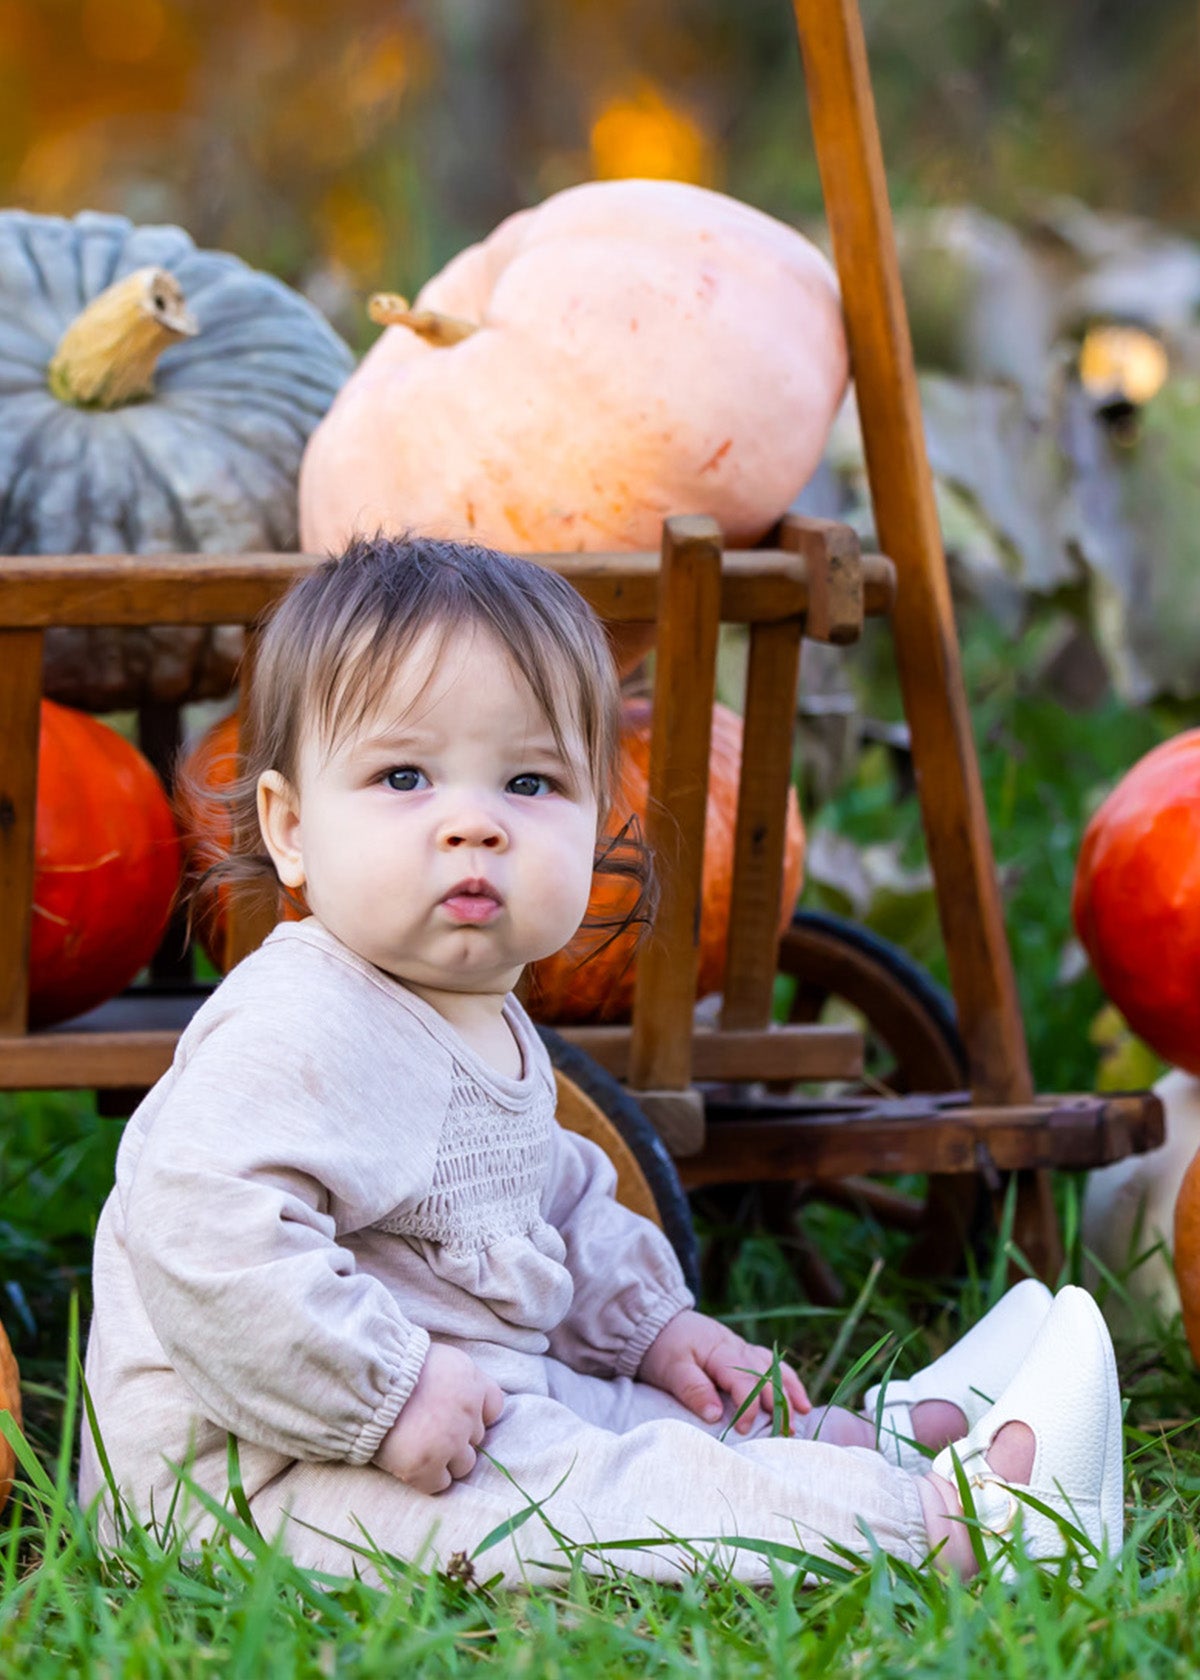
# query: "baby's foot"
[1010,1459]
[935,1423]
[946,1399]
[1054,1435]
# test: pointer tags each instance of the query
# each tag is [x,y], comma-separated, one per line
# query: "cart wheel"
[591,1102]
[912,1044]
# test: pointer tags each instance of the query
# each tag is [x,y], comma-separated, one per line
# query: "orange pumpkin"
[106,869]
[208,769]
[1136,899]
[10,1401]
[623,351]
[586,983]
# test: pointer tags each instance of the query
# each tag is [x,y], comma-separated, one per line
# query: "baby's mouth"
[473,902]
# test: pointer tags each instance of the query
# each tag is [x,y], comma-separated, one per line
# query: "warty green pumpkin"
[153,398]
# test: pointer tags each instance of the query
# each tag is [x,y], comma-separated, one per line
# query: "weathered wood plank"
[82,1061]
[684,689]
[772,672]
[20,715]
[1055,1132]
[781,1053]
[850,161]
[234,589]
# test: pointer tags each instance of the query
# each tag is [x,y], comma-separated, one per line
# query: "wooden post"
[685,667]
[850,161]
[772,673]
[927,654]
[20,714]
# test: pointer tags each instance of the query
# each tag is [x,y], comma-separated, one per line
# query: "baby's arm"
[240,1193]
[631,1313]
[628,1283]
[699,1360]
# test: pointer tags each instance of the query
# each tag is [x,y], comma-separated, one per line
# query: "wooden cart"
[713,1093]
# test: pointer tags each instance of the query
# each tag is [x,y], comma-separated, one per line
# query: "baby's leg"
[623,1403]
[667,1483]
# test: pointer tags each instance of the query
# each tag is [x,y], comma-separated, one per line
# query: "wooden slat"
[234,589]
[1054,1132]
[793,1053]
[82,1061]
[851,166]
[684,689]
[835,577]
[772,672]
[144,589]
[20,714]
[134,1050]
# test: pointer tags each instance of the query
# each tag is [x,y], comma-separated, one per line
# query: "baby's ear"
[279,820]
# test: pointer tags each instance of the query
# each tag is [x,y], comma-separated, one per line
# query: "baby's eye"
[529,785]
[406,779]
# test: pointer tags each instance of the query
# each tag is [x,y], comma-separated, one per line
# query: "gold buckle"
[990,1485]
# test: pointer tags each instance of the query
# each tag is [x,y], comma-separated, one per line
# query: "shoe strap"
[898,1392]
[996,1505]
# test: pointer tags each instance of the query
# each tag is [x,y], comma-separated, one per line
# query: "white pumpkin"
[1129,1208]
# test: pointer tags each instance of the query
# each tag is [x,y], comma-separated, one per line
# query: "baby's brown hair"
[333,642]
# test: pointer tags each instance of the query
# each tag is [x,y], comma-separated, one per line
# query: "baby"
[348,1232]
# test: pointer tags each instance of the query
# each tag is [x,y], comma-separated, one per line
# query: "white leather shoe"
[1067,1393]
[971,1374]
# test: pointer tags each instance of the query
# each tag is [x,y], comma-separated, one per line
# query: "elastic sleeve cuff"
[666,1308]
[385,1414]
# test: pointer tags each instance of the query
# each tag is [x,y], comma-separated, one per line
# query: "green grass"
[243,1608]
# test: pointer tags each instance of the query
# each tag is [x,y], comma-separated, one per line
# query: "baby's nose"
[473,828]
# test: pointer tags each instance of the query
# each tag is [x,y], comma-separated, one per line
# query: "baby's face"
[449,840]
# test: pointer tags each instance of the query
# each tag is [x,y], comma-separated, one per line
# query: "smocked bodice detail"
[490,1172]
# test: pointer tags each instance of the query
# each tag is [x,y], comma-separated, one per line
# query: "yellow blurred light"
[66,167]
[354,233]
[123,31]
[642,135]
[379,74]
[1122,363]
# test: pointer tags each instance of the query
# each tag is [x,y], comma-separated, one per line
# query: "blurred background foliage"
[358,146]
[1042,161]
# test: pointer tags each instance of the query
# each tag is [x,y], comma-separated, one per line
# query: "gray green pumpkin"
[153,398]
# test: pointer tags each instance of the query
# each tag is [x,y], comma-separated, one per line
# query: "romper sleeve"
[269,1144]
[628,1282]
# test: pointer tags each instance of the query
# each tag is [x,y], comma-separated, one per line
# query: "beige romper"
[326,1178]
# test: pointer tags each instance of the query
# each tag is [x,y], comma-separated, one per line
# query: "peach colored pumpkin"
[633,349]
[587,983]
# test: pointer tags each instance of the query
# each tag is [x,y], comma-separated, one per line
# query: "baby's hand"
[697,1360]
[432,1443]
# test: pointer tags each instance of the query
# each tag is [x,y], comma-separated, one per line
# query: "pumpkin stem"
[107,356]
[389,309]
